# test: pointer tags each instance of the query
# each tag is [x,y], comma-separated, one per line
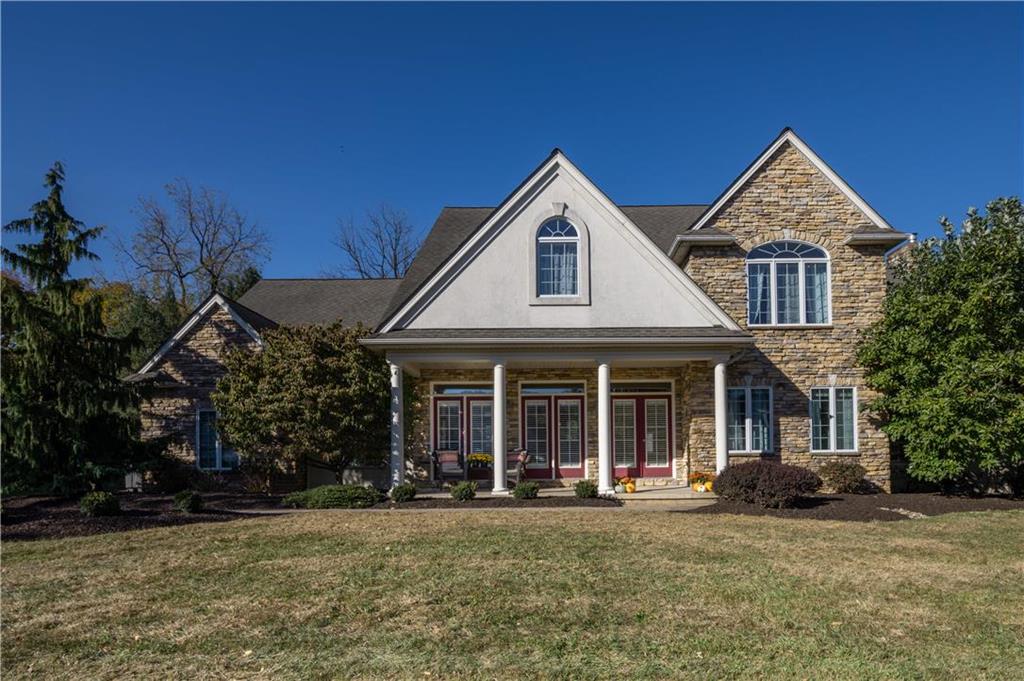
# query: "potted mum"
[702,482]
[625,484]
[480,460]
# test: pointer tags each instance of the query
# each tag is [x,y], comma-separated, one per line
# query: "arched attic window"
[788,283]
[558,261]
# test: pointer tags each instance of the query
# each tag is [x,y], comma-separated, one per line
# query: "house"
[605,339]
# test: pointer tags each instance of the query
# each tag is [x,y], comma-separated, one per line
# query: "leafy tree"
[126,310]
[68,419]
[234,286]
[948,356]
[311,391]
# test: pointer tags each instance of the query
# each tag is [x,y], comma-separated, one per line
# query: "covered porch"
[650,407]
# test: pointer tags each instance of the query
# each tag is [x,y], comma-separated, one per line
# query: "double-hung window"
[833,419]
[750,419]
[788,284]
[211,452]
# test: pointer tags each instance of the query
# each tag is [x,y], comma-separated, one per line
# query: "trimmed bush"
[526,490]
[99,503]
[188,502]
[334,496]
[768,484]
[843,477]
[402,493]
[585,489]
[464,491]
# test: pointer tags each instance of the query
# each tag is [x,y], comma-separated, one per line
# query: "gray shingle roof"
[321,301]
[455,225]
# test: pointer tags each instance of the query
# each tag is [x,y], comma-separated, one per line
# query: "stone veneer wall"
[789,199]
[195,363]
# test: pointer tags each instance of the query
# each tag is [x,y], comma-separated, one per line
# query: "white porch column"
[721,406]
[397,435]
[498,436]
[604,429]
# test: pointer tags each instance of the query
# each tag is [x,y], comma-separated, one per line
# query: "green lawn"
[549,594]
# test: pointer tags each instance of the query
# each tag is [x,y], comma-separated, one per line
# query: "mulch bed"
[502,502]
[27,518]
[866,507]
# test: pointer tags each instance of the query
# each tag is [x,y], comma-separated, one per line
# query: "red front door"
[642,436]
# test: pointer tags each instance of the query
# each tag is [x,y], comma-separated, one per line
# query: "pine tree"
[69,421]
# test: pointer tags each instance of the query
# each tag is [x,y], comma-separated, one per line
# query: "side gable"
[217,317]
[490,270]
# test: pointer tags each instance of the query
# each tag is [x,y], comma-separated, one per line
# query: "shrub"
[402,493]
[843,476]
[99,503]
[585,489]
[526,490]
[334,496]
[188,502]
[464,491]
[772,485]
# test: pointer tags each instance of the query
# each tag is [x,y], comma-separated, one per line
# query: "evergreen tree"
[69,422]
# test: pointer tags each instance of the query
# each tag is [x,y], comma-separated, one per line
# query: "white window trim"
[748,432]
[218,448]
[832,420]
[541,240]
[802,283]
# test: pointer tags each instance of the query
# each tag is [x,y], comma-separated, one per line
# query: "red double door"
[553,431]
[642,436]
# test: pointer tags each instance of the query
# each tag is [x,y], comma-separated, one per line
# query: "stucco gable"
[488,282]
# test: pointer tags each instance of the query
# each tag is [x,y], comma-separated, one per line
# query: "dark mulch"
[26,518]
[502,502]
[866,507]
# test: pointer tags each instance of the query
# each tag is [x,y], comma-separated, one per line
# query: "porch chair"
[448,466]
[515,467]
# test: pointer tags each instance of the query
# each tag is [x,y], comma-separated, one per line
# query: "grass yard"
[507,594]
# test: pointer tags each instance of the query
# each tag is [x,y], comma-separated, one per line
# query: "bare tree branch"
[382,247]
[193,246]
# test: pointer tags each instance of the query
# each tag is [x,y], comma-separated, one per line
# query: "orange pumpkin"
[630,487]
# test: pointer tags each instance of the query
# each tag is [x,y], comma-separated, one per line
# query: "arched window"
[558,264]
[788,283]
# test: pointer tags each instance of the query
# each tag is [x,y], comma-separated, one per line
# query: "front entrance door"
[642,436]
[553,433]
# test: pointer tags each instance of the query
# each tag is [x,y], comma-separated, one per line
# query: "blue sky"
[306,113]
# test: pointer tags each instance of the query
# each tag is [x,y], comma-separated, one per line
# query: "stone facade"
[188,376]
[788,198]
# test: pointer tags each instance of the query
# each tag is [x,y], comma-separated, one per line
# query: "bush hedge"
[843,477]
[334,496]
[99,503]
[526,490]
[403,493]
[464,491]
[188,502]
[585,489]
[768,484]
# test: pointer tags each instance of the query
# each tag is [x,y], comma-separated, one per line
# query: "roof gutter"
[874,238]
[561,342]
[684,242]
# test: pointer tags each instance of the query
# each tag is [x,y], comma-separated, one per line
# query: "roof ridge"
[330,279]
